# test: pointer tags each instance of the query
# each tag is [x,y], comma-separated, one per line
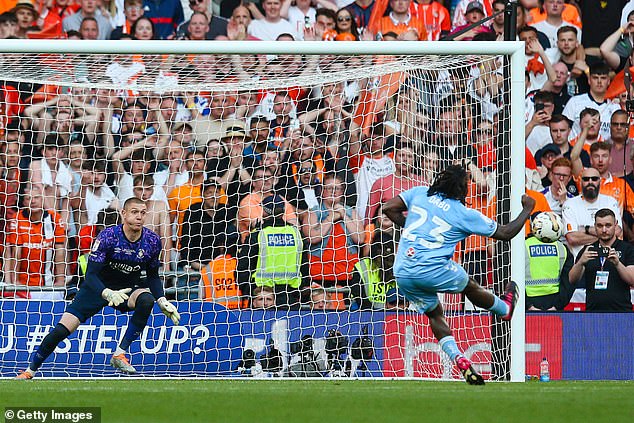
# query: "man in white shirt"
[272,26]
[553,21]
[537,130]
[578,212]
[599,81]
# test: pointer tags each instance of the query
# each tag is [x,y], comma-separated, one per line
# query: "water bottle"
[544,371]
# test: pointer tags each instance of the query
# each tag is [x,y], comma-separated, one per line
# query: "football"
[547,227]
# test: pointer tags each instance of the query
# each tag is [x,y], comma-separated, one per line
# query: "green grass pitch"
[329,401]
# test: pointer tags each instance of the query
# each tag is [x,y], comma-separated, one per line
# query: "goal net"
[265,173]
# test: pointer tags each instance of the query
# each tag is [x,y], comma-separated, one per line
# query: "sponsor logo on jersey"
[140,254]
[280,240]
[410,252]
[124,267]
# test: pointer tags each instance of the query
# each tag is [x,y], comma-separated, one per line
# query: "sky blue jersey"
[432,229]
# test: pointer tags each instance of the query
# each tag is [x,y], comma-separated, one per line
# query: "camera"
[248,360]
[336,344]
[362,348]
[629,106]
[603,251]
[539,107]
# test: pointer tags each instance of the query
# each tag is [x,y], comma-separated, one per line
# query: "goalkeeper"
[113,277]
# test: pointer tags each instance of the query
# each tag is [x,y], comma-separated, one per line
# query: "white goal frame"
[513,49]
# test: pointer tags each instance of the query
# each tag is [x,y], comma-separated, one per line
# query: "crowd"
[272,199]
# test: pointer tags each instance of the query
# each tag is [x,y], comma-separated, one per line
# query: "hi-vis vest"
[83,264]
[375,288]
[280,257]
[218,282]
[544,262]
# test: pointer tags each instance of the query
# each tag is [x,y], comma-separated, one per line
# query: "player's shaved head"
[132,201]
[450,183]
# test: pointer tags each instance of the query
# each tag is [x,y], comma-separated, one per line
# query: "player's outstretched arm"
[507,232]
[394,209]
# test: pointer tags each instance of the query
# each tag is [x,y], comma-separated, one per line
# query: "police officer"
[273,256]
[547,268]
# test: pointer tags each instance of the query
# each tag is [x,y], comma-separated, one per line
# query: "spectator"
[208,231]
[388,187]
[548,264]
[616,48]
[435,16]
[599,20]
[66,116]
[157,219]
[346,24]
[166,15]
[26,16]
[272,256]
[89,8]
[334,232]
[238,24]
[299,14]
[259,129]
[197,27]
[578,212]
[8,25]
[560,128]
[460,12]
[621,146]
[554,21]
[570,52]
[497,23]
[607,266]
[133,10]
[537,130]
[215,26]
[473,14]
[10,181]
[54,177]
[595,99]
[361,10]
[451,143]
[559,185]
[143,29]
[400,21]
[325,22]
[272,25]
[590,123]
[251,212]
[559,88]
[134,160]
[184,196]
[34,253]
[319,299]
[538,64]
[546,156]
[95,195]
[369,162]
[611,185]
[89,29]
[263,298]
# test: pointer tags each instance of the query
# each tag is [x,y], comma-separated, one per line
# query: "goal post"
[406,85]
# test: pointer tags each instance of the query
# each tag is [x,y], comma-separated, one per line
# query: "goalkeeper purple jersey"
[123,262]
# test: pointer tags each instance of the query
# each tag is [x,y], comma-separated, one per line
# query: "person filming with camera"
[607,267]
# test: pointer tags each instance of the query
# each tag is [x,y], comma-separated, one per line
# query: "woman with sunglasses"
[346,24]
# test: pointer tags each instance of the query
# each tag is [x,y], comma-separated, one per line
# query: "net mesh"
[208,139]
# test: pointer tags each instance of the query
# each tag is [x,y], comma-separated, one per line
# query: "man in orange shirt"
[400,21]
[35,245]
[182,197]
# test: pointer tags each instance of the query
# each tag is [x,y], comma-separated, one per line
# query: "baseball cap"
[474,5]
[273,204]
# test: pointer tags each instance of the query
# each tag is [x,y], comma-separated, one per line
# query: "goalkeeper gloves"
[115,298]
[169,310]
